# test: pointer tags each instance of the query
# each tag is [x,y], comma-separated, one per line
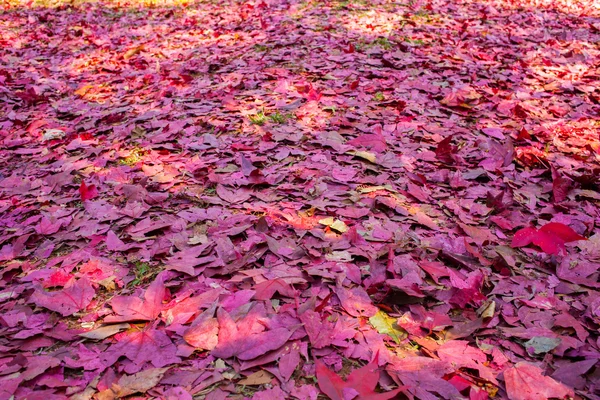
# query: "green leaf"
[386,325]
[540,344]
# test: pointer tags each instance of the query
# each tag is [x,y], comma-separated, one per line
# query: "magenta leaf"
[74,297]
[148,345]
[265,290]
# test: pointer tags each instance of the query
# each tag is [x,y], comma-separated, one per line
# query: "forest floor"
[300,199]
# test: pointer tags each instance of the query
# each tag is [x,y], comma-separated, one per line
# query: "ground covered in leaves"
[300,199]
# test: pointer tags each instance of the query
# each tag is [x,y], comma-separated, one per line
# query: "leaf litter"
[293,199]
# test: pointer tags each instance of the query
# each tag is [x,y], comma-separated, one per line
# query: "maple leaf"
[360,385]
[137,383]
[372,141]
[87,192]
[243,344]
[356,302]
[445,150]
[551,238]
[131,308]
[265,290]
[350,49]
[148,345]
[75,296]
[526,382]
[313,95]
[203,331]
[387,325]
[560,186]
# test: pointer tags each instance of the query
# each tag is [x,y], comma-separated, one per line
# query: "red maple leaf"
[360,384]
[87,192]
[445,150]
[551,238]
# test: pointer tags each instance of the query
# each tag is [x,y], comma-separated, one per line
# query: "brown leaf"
[258,378]
[136,383]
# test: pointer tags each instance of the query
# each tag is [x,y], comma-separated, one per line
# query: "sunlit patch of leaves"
[133,158]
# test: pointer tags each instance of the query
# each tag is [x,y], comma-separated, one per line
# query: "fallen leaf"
[526,382]
[541,345]
[104,331]
[257,378]
[387,325]
[131,308]
[360,385]
[74,297]
[138,383]
[367,155]
[551,238]
[87,192]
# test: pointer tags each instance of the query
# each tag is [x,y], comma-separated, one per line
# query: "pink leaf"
[525,382]
[329,382]
[238,341]
[265,290]
[148,345]
[131,308]
[203,335]
[313,95]
[356,302]
[372,141]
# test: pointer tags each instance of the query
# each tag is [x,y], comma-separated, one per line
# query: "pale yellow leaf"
[104,331]
[367,155]
[339,226]
[326,221]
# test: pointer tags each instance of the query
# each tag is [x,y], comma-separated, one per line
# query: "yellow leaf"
[386,325]
[326,221]
[339,226]
[335,224]
[487,310]
[367,155]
